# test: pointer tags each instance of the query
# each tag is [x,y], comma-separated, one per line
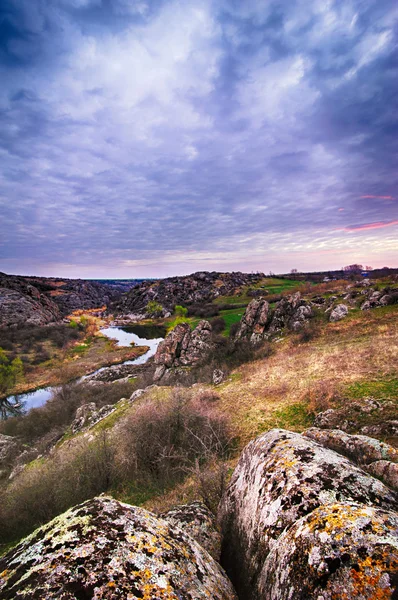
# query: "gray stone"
[359,448]
[254,321]
[183,348]
[196,520]
[386,471]
[218,376]
[338,313]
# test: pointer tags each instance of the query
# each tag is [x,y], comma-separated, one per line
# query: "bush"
[233,330]
[180,311]
[218,324]
[160,442]
[154,309]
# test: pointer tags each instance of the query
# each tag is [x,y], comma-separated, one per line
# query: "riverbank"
[80,359]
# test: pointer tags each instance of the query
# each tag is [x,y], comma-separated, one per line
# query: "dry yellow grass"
[364,347]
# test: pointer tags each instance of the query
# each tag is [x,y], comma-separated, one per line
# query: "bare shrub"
[161,441]
[211,480]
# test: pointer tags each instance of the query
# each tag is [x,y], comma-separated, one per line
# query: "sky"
[149,138]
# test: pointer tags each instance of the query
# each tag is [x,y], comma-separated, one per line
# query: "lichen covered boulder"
[196,520]
[281,477]
[105,549]
[340,551]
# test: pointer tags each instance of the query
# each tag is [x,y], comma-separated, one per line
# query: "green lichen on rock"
[106,549]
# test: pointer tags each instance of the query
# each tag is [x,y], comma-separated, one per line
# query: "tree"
[293,271]
[10,372]
[154,309]
[180,311]
[353,269]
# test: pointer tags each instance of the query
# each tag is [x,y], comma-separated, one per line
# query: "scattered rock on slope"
[338,313]
[105,549]
[280,478]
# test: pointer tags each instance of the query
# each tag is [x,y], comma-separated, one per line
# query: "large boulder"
[280,478]
[338,551]
[254,321]
[183,348]
[105,549]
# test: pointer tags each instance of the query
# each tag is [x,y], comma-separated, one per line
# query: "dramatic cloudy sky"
[158,137]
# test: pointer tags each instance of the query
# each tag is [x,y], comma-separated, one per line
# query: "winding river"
[141,335]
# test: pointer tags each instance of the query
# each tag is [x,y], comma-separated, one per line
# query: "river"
[141,335]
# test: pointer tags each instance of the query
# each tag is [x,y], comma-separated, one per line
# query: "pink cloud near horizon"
[365,226]
[379,197]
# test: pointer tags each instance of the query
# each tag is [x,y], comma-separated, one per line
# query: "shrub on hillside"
[160,442]
[218,324]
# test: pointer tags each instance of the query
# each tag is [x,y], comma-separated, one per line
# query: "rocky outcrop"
[361,449]
[283,477]
[338,313]
[291,312]
[88,415]
[254,321]
[183,348]
[104,549]
[10,448]
[42,300]
[22,303]
[115,373]
[196,520]
[197,288]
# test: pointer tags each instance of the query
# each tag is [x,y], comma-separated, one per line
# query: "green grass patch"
[230,317]
[382,388]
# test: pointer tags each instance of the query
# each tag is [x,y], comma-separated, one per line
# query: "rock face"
[281,478]
[196,520]
[197,288]
[41,300]
[338,313]
[254,321]
[183,348]
[23,303]
[361,449]
[106,549]
[378,458]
